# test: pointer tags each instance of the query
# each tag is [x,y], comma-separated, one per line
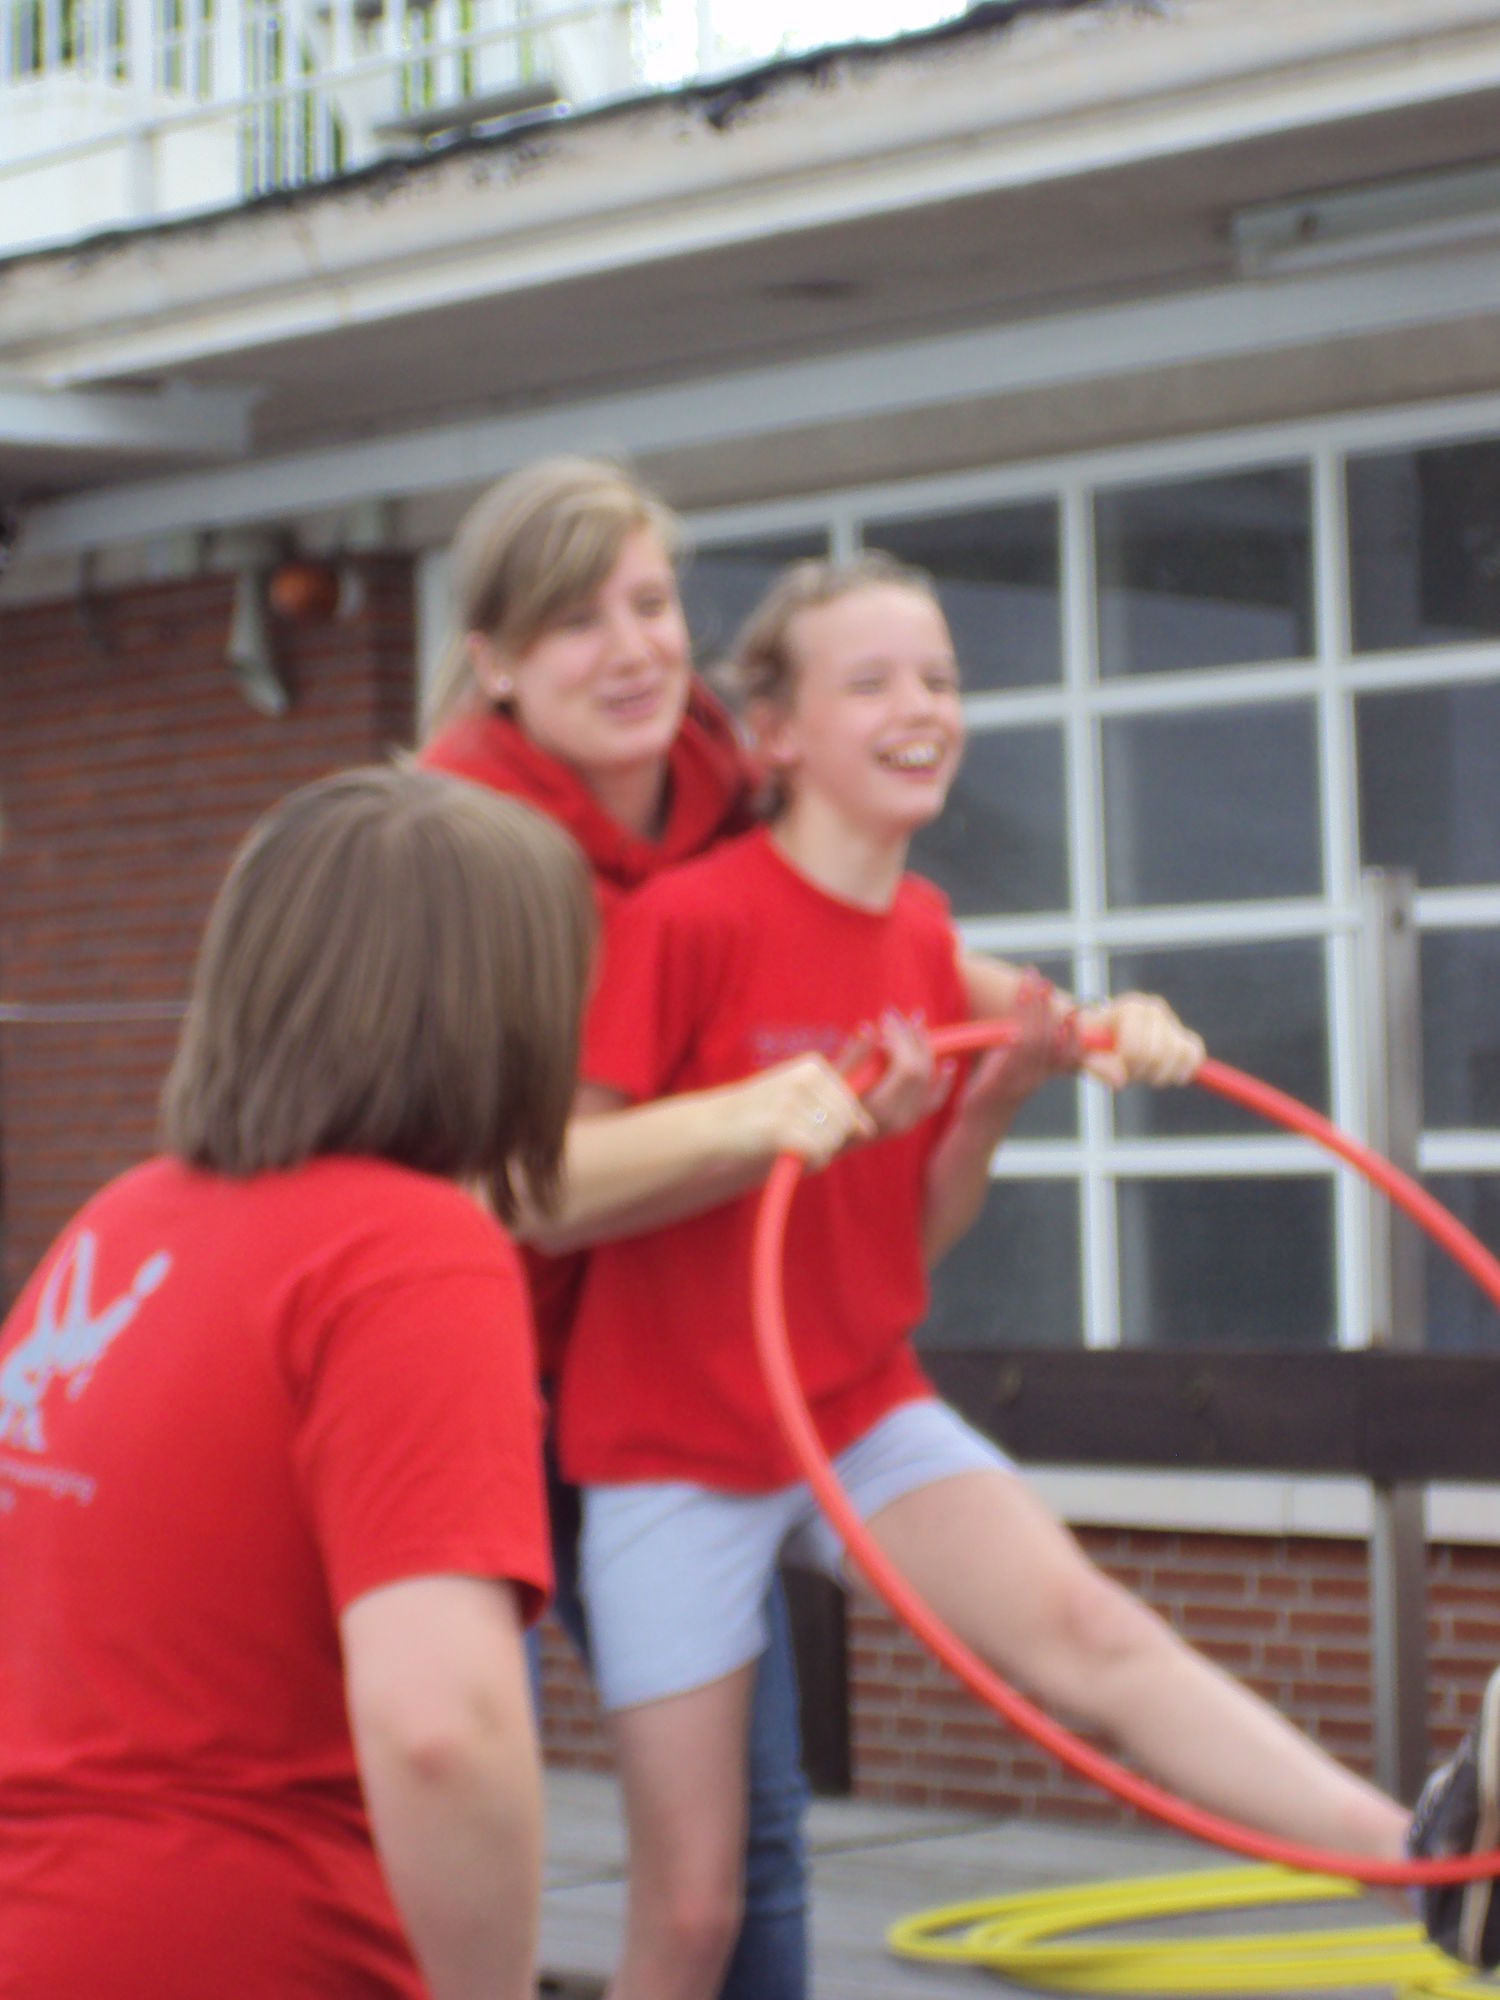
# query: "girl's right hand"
[802,1106]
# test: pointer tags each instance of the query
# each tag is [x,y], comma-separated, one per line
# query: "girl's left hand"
[1150,1044]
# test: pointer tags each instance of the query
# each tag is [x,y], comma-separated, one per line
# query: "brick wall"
[129,768]
[1291,1617]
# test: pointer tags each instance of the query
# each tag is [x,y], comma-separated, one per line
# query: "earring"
[500,688]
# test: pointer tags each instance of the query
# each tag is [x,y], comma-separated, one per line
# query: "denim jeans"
[770,1959]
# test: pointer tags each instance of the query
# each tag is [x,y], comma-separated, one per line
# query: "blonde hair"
[762,661]
[762,665]
[395,966]
[529,549]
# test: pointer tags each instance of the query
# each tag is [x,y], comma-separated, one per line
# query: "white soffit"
[1228,321]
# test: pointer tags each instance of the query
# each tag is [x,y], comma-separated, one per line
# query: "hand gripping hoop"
[796,1424]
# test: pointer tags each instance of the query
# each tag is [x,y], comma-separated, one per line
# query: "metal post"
[1393,1109]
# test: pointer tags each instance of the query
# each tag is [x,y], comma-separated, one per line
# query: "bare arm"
[635,1167]
[1150,1044]
[440,1709]
[959,1172]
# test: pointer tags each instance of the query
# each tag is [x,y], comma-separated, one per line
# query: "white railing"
[115,112]
[127,111]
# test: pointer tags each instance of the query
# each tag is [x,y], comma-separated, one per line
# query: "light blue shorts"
[675,1575]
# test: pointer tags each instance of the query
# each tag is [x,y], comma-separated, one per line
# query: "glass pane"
[1212,807]
[1424,546]
[1234,1263]
[997,576]
[722,585]
[1001,844]
[1204,572]
[1429,778]
[1458,1313]
[1015,1280]
[1460,1028]
[1261,1007]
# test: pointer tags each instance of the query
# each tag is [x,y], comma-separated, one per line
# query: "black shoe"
[1459,1813]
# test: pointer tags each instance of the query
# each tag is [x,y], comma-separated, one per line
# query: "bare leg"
[1014,1584]
[682,1773]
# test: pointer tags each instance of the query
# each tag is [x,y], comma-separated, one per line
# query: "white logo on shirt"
[776,1042]
[67,1344]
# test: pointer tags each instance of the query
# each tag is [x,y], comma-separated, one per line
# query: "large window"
[1205,691]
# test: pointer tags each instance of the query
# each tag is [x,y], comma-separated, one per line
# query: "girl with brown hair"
[271,1511]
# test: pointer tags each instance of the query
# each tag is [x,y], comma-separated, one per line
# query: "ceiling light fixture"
[1381,219]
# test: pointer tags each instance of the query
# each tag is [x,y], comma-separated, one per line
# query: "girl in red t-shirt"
[271,1509]
[792,938]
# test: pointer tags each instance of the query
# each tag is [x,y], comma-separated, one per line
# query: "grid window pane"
[722,585]
[1204,572]
[1213,807]
[1000,847]
[1233,1263]
[1429,778]
[997,575]
[1261,1007]
[1015,1279]
[1424,546]
[1458,1315]
[1460,1028]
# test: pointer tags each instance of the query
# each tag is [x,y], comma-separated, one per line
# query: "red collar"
[709,787]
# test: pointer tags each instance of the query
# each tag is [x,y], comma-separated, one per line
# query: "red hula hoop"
[796,1424]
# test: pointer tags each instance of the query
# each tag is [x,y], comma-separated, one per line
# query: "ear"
[770,725]
[490,668]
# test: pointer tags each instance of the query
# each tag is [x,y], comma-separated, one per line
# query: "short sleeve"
[930,908]
[418,1433]
[647,1002]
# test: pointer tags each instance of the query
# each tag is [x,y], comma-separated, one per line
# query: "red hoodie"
[709,797]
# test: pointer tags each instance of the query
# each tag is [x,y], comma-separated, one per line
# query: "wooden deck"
[870,1865]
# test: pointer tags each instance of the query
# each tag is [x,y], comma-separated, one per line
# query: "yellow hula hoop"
[1032,1939]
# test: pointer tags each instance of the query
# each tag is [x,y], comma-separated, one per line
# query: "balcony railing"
[126,111]
[114,112]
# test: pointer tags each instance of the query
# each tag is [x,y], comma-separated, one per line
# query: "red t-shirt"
[226,1410]
[716,971]
[709,790]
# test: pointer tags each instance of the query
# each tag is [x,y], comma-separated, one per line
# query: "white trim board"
[1228,1503]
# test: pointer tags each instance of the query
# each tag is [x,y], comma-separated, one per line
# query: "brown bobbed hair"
[394,967]
[530,549]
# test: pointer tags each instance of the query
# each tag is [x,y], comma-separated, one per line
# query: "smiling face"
[603,686]
[872,729]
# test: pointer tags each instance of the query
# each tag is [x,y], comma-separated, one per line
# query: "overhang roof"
[1029,165]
